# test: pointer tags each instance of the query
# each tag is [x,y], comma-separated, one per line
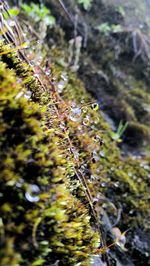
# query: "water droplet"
[36,75]
[19,95]
[92,178]
[93,127]
[116,184]
[96,121]
[131,211]
[102,153]
[32,63]
[95,156]
[39,42]
[139,180]
[86,121]
[75,114]
[26,44]
[103,184]
[75,152]
[130,174]
[12,23]
[32,193]
[80,128]
[98,171]
[95,106]
[61,85]
[38,62]
[134,177]
[98,139]
[83,166]
[28,94]
[73,104]
[24,35]
[48,72]
[85,109]
[20,182]
[64,76]
[62,125]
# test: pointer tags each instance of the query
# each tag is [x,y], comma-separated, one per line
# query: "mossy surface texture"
[60,170]
[41,220]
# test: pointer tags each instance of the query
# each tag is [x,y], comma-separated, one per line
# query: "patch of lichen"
[36,229]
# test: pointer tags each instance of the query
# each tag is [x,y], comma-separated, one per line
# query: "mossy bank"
[61,172]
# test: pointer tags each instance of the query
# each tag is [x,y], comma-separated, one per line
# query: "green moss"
[121,180]
[42,221]
[56,221]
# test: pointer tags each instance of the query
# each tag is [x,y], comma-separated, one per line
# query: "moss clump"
[41,221]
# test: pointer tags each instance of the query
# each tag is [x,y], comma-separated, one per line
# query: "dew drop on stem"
[32,193]
[64,76]
[85,109]
[75,114]
[86,121]
[61,85]
[95,106]
[12,23]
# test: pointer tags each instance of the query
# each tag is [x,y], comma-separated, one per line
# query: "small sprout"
[106,29]
[121,10]
[120,240]
[120,130]
[39,13]
[14,12]
[120,237]
[86,3]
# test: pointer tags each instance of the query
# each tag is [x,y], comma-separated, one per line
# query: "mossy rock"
[46,153]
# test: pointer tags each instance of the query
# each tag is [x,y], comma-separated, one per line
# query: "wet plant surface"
[75,168]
